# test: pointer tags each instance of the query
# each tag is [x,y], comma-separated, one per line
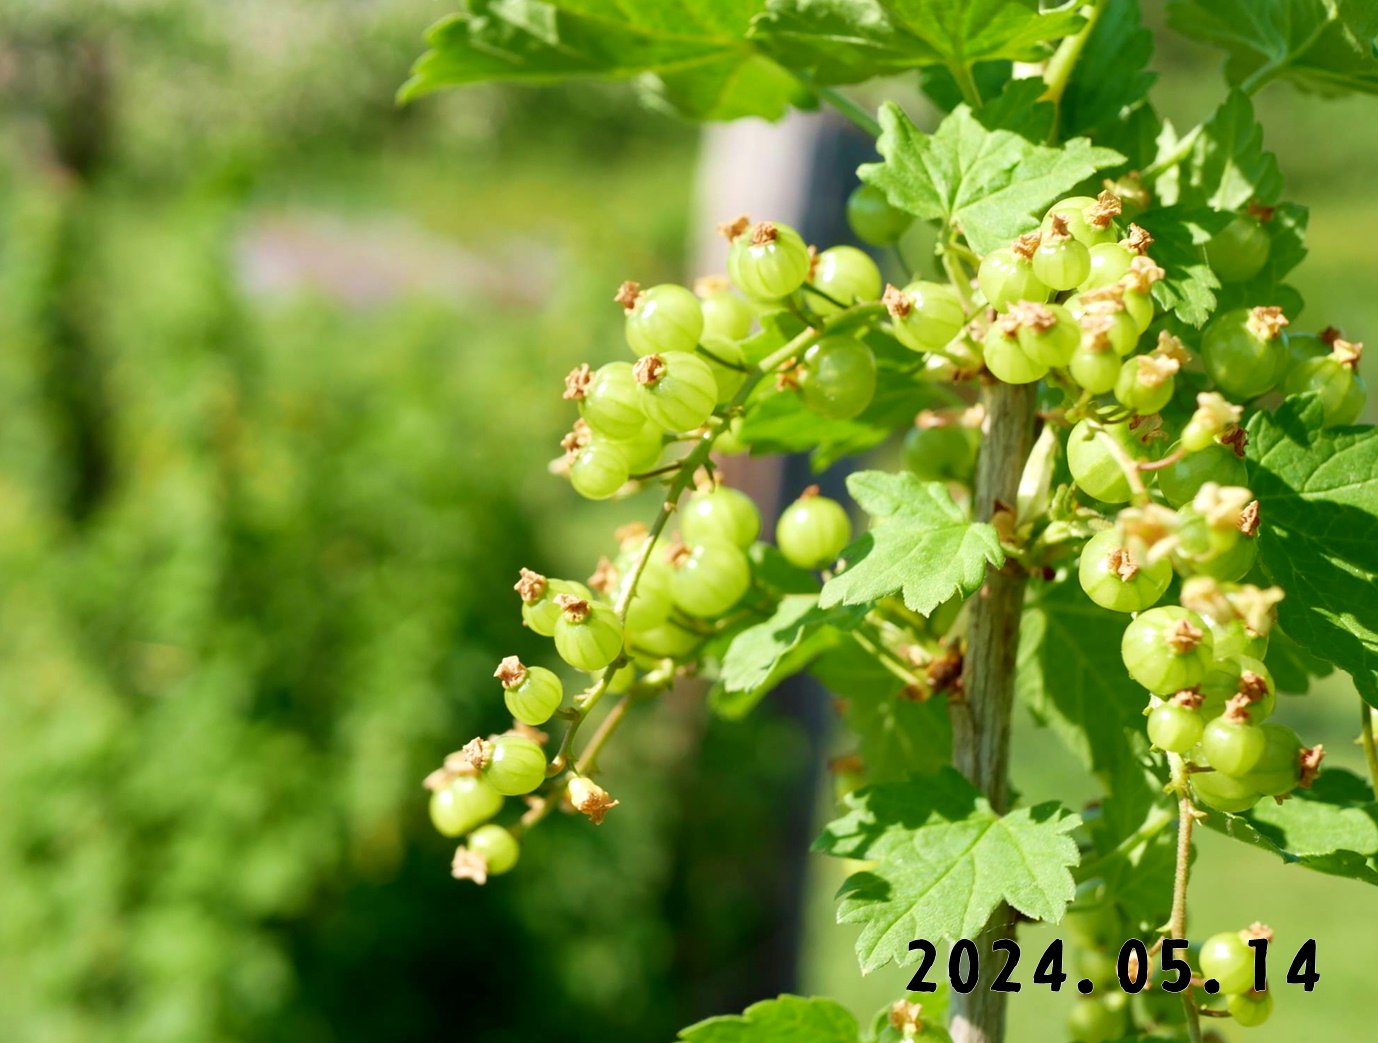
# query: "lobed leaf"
[1180,234]
[756,654]
[785,1019]
[1111,79]
[1228,167]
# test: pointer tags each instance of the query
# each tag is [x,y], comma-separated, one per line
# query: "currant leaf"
[1112,76]
[1179,235]
[785,1019]
[945,860]
[797,631]
[989,183]
[1318,507]
[922,546]
[1228,167]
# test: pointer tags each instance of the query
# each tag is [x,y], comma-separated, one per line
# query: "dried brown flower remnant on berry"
[469,865]
[589,798]
[1105,209]
[763,232]
[1347,353]
[1026,245]
[1311,765]
[1182,637]
[631,534]
[1248,518]
[1119,561]
[730,230]
[1057,228]
[1266,323]
[1137,240]
[531,586]
[511,672]
[905,1018]
[575,609]
[648,369]
[578,381]
[627,295]
[1237,709]
[605,576]
[478,752]
[896,302]
[1189,698]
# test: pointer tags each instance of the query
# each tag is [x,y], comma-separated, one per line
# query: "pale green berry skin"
[812,532]
[610,405]
[1061,265]
[727,361]
[1008,360]
[846,276]
[1343,394]
[1227,958]
[517,766]
[1217,790]
[1279,767]
[1094,467]
[1106,588]
[1004,277]
[536,698]
[541,615]
[935,316]
[1181,481]
[1174,728]
[1241,364]
[465,802]
[498,847]
[1074,210]
[873,219]
[599,470]
[1109,264]
[664,318]
[727,316]
[1056,345]
[1153,662]
[711,580]
[1239,251]
[651,603]
[1139,307]
[723,513]
[1229,565]
[837,377]
[1233,748]
[685,394]
[1134,394]
[1250,1009]
[1302,347]
[1123,334]
[668,640]
[1234,640]
[591,643]
[1096,371]
[1093,1021]
[770,270]
[642,449]
[1221,683]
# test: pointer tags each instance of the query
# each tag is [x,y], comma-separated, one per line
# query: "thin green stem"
[891,662]
[856,114]
[1060,66]
[1156,822]
[588,760]
[1177,922]
[966,83]
[1366,736]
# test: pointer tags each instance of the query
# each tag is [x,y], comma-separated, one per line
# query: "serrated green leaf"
[786,1019]
[1291,665]
[1331,828]
[922,546]
[896,736]
[694,55]
[1071,676]
[755,654]
[1179,234]
[1112,77]
[1321,45]
[1318,537]
[1228,167]
[992,184]
[945,861]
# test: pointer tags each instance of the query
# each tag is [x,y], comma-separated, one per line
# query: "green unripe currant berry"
[1304,346]
[1174,728]
[768,261]
[1096,466]
[667,641]
[721,513]
[1234,639]
[1060,262]
[1228,566]
[1094,1021]
[599,469]
[837,377]
[642,449]
[1146,383]
[872,217]
[926,315]
[677,390]
[1094,366]
[1342,390]
[532,693]
[497,846]
[1106,321]
[1006,358]
[607,399]
[1278,770]
[725,314]
[512,764]
[1109,264]
[1245,350]
[938,452]
[1006,275]
[841,277]
[1239,675]
[813,530]
[730,442]
[1088,221]
[1227,958]
[1233,743]
[539,610]
[1167,649]
[588,635]
[1181,481]
[727,362]
[651,603]
[1047,332]
[461,804]
[709,578]
[1139,307]
[663,318]
[1115,579]
[1239,251]
[1217,790]
[1250,1009]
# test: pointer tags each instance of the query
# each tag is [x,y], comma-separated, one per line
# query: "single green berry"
[1334,378]
[663,318]
[1217,790]
[926,315]
[1278,770]
[1167,649]
[497,846]
[768,261]
[1228,959]
[1094,455]
[1238,675]
[1115,579]
[1109,264]
[872,217]
[721,513]
[709,578]
[667,641]
[1047,332]
[1174,728]
[532,693]
[462,803]
[1006,358]
[1239,251]
[642,449]
[588,635]
[1250,1009]
[1094,366]
[512,764]
[1146,382]
[1060,262]
[1233,743]
[942,452]
[599,469]
[726,315]
[677,390]
[841,276]
[1181,481]
[813,530]
[1006,275]
[607,399]
[1095,1021]
[1245,350]
[837,377]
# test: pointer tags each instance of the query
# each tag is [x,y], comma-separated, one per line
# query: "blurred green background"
[277,390]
